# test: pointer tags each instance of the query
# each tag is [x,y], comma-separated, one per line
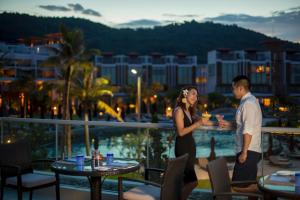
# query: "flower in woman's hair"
[185,92]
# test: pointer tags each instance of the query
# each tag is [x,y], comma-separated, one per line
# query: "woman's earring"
[183,100]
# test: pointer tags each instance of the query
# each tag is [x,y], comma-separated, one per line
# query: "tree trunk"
[148,105]
[86,133]
[66,112]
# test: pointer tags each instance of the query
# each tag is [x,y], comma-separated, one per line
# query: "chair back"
[173,178]
[18,153]
[219,176]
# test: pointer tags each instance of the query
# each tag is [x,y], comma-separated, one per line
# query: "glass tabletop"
[118,166]
[279,183]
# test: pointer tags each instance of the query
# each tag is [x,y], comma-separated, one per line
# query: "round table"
[94,174]
[274,186]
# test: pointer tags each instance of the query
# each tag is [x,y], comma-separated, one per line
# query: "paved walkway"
[71,193]
[66,193]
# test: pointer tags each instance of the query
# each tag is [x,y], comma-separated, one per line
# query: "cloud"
[71,7]
[283,23]
[237,18]
[54,8]
[180,16]
[76,7]
[91,12]
[141,23]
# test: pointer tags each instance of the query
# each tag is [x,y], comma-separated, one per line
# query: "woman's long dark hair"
[179,103]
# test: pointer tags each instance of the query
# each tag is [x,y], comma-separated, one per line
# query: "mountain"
[192,37]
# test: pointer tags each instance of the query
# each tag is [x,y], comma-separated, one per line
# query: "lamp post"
[138,100]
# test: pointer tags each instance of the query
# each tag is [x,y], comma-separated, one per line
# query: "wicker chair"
[223,188]
[170,188]
[16,168]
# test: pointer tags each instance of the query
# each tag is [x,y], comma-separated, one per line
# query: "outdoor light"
[266,101]
[155,96]
[134,71]
[55,110]
[8,141]
[138,101]
[169,111]
[283,109]
[22,98]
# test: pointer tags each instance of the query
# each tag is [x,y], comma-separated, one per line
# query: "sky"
[279,18]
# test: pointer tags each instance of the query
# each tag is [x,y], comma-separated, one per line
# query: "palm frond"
[109,110]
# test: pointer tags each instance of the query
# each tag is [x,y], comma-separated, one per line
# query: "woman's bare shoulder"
[178,110]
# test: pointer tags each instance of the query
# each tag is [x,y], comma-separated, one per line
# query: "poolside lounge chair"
[170,188]
[223,188]
[280,161]
[295,155]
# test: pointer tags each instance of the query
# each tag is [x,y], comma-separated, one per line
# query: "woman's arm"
[179,120]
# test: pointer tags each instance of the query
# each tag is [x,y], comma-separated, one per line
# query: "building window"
[211,70]
[159,75]
[295,75]
[185,75]
[259,74]
[109,73]
[229,71]
[99,59]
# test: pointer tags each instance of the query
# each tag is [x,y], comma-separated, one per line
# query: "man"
[248,121]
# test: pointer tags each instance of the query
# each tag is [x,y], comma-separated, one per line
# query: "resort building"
[224,64]
[171,71]
[168,70]
[25,61]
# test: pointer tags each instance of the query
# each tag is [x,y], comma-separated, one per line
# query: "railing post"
[212,155]
[262,155]
[270,151]
[56,141]
[147,146]
[291,143]
[2,131]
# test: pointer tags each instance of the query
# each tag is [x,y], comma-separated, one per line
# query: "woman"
[186,122]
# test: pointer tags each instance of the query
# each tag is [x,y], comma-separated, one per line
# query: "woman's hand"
[199,122]
[207,122]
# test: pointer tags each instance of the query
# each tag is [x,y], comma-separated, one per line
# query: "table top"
[119,166]
[279,184]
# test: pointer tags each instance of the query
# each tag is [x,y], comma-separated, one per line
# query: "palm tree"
[88,89]
[23,87]
[149,92]
[69,56]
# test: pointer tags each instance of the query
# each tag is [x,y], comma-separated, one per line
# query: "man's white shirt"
[248,120]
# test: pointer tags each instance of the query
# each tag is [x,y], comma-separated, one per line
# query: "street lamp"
[138,101]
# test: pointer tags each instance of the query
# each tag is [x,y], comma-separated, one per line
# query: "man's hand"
[243,157]
[225,124]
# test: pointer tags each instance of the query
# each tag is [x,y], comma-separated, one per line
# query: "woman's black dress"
[186,144]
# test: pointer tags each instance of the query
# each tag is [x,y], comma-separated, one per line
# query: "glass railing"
[149,143]
[142,141]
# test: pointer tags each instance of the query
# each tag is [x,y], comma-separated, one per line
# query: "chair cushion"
[31,180]
[145,192]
